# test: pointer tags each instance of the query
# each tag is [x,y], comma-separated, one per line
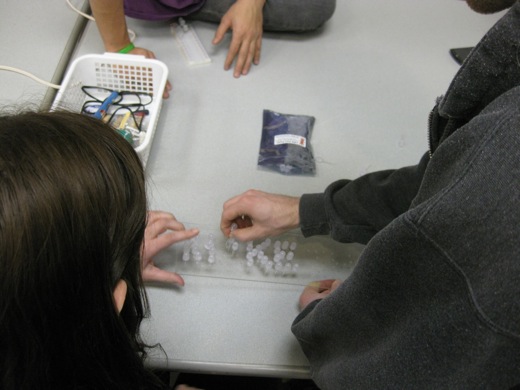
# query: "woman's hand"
[162,230]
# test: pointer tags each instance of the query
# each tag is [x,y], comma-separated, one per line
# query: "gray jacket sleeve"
[355,210]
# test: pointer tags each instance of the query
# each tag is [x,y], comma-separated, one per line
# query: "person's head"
[72,220]
[490,6]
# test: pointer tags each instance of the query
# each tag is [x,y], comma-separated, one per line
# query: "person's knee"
[328,8]
[297,16]
[317,14]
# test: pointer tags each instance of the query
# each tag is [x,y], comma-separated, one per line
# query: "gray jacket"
[434,301]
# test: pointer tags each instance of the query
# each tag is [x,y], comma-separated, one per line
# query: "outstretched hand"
[245,18]
[162,230]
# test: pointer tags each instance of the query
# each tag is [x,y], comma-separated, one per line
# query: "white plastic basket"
[117,72]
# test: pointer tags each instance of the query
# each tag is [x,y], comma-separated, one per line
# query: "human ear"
[120,294]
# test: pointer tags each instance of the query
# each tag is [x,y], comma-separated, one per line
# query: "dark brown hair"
[72,220]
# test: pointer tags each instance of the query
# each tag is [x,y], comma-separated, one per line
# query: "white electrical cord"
[46,83]
[23,72]
[79,12]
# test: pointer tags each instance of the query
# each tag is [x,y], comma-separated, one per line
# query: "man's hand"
[317,290]
[162,230]
[245,18]
[259,214]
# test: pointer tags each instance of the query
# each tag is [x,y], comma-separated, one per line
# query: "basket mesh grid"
[121,77]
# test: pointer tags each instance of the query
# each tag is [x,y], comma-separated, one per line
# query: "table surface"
[33,36]
[369,77]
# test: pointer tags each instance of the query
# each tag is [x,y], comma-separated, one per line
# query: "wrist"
[296,210]
[117,42]
[260,3]
[128,48]
[292,217]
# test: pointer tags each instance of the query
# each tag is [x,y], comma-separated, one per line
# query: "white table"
[39,38]
[369,77]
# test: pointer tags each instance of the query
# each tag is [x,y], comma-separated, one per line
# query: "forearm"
[258,3]
[111,23]
[354,211]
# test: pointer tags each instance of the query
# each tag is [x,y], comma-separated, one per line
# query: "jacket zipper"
[430,124]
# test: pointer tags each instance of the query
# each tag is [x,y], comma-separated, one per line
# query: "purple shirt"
[161,9]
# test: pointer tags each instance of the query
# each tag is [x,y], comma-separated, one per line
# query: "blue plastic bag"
[285,145]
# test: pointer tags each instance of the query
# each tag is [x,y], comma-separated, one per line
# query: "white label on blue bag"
[290,139]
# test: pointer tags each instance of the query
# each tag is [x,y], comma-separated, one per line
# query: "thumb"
[154,274]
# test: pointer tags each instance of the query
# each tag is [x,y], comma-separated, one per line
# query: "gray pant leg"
[279,15]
